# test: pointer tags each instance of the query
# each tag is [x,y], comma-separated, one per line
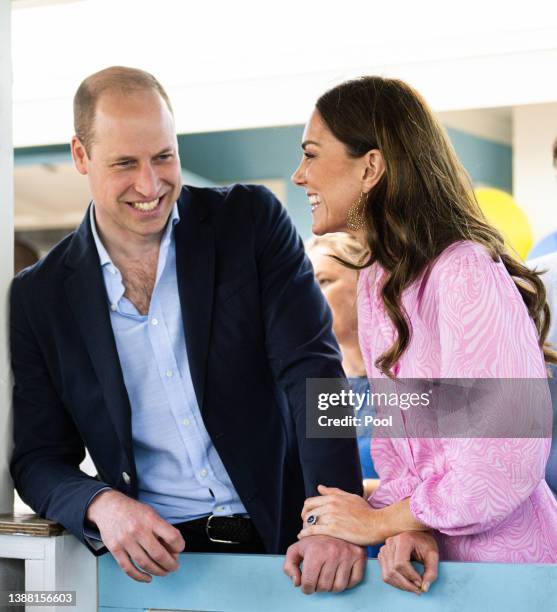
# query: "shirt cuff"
[90,534]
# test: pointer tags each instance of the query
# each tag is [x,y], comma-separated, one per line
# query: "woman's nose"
[298,177]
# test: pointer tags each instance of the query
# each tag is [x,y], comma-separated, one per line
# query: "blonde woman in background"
[339,285]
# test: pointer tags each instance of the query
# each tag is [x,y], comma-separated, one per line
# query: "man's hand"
[135,534]
[329,564]
[394,559]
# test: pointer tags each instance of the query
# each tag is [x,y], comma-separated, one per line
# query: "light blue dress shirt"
[179,471]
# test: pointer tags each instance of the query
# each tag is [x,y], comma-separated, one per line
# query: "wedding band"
[311,519]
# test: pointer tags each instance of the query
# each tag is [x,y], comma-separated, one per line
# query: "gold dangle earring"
[355,217]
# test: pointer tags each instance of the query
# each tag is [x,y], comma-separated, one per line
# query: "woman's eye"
[323,282]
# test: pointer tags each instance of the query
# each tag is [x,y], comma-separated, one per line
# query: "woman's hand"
[341,515]
[394,558]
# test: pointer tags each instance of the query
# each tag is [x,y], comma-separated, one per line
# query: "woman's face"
[338,284]
[332,180]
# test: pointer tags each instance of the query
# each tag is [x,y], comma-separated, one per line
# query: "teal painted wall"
[488,162]
[265,153]
[246,155]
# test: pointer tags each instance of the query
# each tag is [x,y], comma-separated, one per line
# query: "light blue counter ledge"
[246,583]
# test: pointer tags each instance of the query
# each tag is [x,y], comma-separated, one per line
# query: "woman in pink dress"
[440,297]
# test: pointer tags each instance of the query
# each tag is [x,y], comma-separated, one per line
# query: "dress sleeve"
[485,331]
[397,481]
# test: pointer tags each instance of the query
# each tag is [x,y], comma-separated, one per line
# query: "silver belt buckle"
[207,531]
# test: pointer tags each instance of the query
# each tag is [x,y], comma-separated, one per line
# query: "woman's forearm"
[395,519]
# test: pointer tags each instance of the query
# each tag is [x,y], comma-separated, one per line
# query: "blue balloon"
[544,246]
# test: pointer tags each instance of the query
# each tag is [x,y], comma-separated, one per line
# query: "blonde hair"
[343,246]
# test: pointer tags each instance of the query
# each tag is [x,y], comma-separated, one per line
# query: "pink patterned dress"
[486,499]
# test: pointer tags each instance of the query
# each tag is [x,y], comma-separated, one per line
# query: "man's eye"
[308,155]
[165,156]
[124,164]
[323,282]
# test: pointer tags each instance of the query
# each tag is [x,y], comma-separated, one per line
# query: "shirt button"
[186,422]
[154,321]
[113,270]
[203,473]
[113,307]
[126,478]
[169,373]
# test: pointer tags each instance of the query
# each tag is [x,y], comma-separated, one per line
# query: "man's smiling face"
[133,165]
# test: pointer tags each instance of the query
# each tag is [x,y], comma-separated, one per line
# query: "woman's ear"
[373,169]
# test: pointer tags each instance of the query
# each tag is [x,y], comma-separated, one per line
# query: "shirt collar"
[103,253]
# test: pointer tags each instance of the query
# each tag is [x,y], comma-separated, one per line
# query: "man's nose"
[147,182]
[298,176]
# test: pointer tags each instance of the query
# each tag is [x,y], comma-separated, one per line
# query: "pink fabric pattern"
[486,498]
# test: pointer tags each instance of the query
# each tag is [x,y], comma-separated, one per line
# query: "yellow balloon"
[506,215]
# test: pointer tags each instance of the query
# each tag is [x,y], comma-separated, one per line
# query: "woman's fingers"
[402,554]
[328,494]
[317,530]
[315,502]
[323,490]
[390,574]
[431,563]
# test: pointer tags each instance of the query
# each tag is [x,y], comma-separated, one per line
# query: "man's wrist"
[92,508]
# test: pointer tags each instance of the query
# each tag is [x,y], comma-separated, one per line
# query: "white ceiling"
[49,196]
[230,65]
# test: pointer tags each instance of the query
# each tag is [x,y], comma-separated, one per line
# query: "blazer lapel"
[86,294]
[195,268]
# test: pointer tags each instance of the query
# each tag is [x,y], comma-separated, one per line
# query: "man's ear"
[80,157]
[373,169]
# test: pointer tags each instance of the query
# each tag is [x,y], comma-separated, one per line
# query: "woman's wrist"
[392,520]
[379,530]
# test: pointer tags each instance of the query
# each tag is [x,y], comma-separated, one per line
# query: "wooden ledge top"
[28,524]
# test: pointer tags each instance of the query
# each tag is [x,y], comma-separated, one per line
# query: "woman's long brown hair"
[424,201]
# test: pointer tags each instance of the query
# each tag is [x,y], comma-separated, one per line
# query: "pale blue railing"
[255,583]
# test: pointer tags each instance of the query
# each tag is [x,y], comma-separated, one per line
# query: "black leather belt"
[223,529]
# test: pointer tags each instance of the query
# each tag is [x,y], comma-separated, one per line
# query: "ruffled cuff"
[393,491]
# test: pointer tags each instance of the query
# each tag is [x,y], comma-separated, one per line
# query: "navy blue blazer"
[256,326]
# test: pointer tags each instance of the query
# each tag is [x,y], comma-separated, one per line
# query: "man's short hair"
[118,79]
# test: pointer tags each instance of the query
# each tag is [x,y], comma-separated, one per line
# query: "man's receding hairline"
[117,80]
[115,93]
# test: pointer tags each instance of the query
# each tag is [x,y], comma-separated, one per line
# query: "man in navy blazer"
[255,327]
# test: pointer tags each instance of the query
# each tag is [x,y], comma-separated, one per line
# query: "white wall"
[6,247]
[490,123]
[534,178]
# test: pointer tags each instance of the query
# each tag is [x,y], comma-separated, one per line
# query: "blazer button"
[126,478]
